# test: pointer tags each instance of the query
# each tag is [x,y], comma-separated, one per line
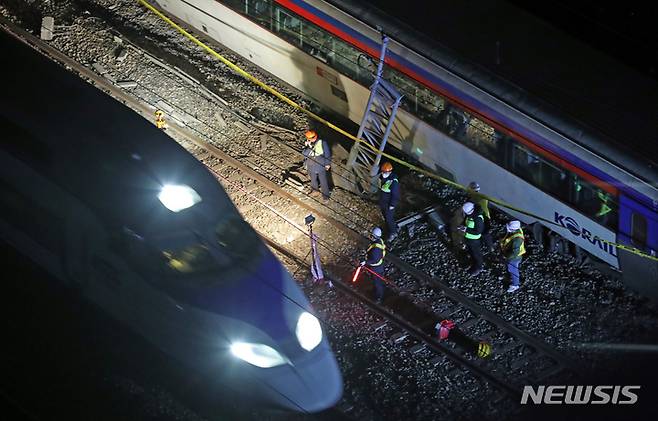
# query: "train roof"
[93,146]
[584,95]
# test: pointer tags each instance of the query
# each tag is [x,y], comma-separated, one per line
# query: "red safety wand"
[356,274]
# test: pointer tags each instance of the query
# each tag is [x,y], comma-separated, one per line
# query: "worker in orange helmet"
[317,157]
[389,196]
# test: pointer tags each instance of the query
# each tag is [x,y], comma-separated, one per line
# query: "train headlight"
[257,354]
[176,198]
[309,332]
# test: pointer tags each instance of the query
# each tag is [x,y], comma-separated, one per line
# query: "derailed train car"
[114,207]
[457,118]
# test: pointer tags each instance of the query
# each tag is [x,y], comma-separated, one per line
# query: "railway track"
[407,324]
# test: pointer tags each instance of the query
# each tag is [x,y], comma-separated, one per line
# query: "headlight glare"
[309,332]
[257,354]
[176,198]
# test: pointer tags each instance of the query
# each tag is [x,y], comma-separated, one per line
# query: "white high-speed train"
[123,214]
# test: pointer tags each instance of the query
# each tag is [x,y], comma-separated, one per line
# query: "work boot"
[513,288]
[314,193]
[325,198]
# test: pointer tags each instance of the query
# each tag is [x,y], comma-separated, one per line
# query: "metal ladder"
[376,125]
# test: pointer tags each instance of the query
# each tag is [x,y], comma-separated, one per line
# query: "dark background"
[625,30]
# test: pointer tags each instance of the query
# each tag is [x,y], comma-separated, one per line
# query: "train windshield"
[237,239]
[192,258]
[232,244]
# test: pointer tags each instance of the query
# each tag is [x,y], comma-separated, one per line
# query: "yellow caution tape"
[356,139]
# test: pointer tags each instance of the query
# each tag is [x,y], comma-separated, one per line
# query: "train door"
[638,228]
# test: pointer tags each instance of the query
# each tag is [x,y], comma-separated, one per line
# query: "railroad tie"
[381,325]
[398,337]
[521,361]
[417,348]
[468,323]
[549,372]
[437,360]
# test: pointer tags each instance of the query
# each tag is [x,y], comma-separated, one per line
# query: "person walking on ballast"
[513,248]
[375,262]
[472,229]
[317,157]
[389,196]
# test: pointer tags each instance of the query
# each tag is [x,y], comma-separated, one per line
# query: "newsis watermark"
[579,395]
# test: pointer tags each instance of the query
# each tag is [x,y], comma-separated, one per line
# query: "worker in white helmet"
[375,262]
[513,248]
[472,229]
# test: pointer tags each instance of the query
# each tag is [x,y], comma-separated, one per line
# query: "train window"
[595,203]
[539,172]
[554,180]
[526,164]
[261,11]
[352,62]
[483,138]
[289,27]
[639,230]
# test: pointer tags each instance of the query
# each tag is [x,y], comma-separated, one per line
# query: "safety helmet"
[387,167]
[468,208]
[513,226]
[158,113]
[311,135]
[444,327]
[377,232]
[474,186]
[484,349]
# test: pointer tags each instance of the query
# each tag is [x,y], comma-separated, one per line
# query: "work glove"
[461,228]
[391,207]
[362,263]
[327,167]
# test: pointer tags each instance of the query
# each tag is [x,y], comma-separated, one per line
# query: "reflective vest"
[317,150]
[386,186]
[470,223]
[510,237]
[380,245]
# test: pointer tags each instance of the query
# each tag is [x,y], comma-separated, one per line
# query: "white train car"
[589,190]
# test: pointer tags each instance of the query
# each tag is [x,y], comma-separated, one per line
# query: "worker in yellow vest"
[375,262]
[389,196]
[317,157]
[513,248]
[472,230]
